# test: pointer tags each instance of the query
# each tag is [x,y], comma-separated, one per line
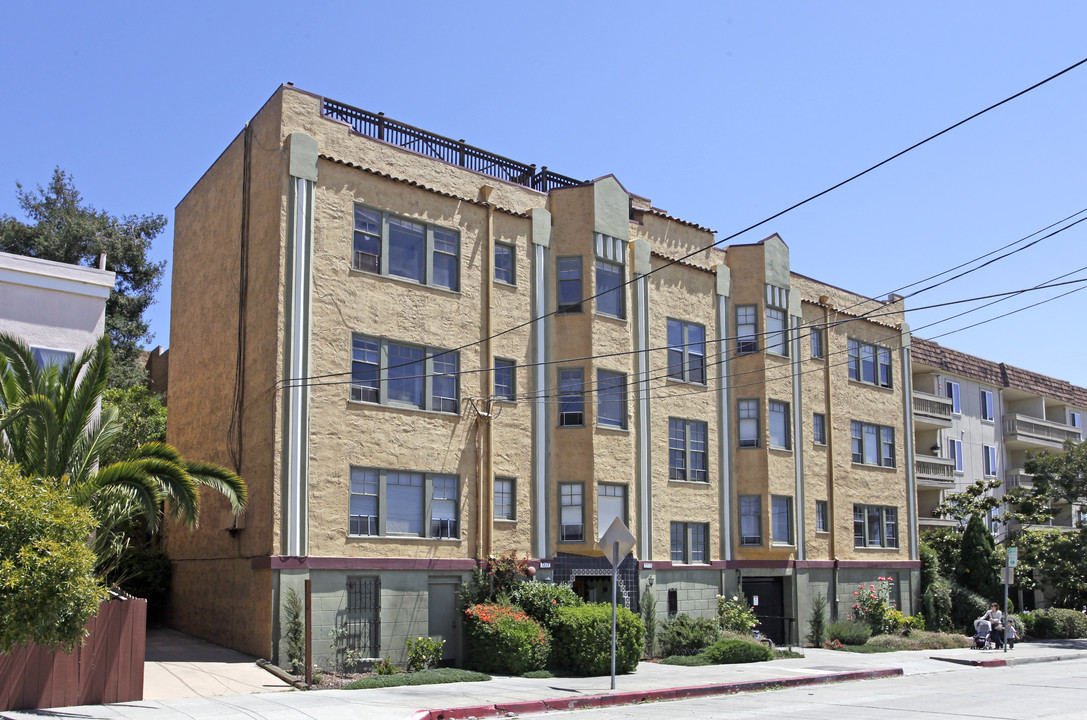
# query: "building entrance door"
[442,617]
[767,596]
[593,589]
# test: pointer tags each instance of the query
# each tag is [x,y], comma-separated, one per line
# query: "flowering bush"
[505,571]
[734,615]
[504,640]
[423,652]
[833,645]
[540,600]
[872,605]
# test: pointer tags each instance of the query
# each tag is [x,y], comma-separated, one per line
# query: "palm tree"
[52,425]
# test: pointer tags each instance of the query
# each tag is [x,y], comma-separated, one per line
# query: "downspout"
[911,477]
[828,409]
[486,381]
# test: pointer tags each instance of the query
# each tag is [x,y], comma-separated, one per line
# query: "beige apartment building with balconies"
[420,354]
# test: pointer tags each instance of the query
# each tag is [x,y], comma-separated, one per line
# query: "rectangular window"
[569,291]
[951,389]
[611,399]
[869,363]
[571,397]
[872,444]
[954,452]
[777,302]
[818,342]
[687,450]
[747,329]
[48,356]
[781,519]
[689,543]
[875,526]
[610,265]
[505,264]
[989,460]
[571,512]
[686,351]
[822,516]
[750,520]
[391,373]
[505,379]
[749,423]
[779,425]
[611,503]
[986,404]
[390,245]
[505,499]
[819,428]
[391,502]
[1075,419]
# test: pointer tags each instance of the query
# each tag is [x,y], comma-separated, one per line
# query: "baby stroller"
[982,631]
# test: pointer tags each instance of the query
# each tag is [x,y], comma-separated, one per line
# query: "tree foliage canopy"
[1059,478]
[48,588]
[65,229]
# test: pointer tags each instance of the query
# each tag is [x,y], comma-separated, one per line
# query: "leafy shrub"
[727,651]
[966,607]
[1057,623]
[648,608]
[872,605]
[684,635]
[1024,624]
[383,667]
[503,639]
[849,632]
[921,640]
[686,660]
[936,602]
[930,565]
[582,640]
[294,633]
[423,653]
[426,677]
[817,626]
[735,615]
[540,600]
[899,624]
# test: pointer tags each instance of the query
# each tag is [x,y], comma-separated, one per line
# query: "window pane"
[367,240]
[405,374]
[775,332]
[875,527]
[781,520]
[444,383]
[365,355]
[611,398]
[871,444]
[609,295]
[571,524]
[675,349]
[749,423]
[887,446]
[445,270]
[859,537]
[363,502]
[819,430]
[503,263]
[696,353]
[750,525]
[504,383]
[857,440]
[746,329]
[404,492]
[885,367]
[854,350]
[868,363]
[677,449]
[443,507]
[407,249]
[779,424]
[821,515]
[698,542]
[890,516]
[817,343]
[571,402]
[611,503]
[679,543]
[503,499]
[697,451]
[569,294]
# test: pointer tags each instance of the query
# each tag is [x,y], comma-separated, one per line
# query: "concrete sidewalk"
[503,695]
[181,666]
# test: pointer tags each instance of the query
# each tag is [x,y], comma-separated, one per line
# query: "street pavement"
[506,696]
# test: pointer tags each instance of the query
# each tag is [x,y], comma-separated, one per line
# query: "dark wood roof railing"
[455,152]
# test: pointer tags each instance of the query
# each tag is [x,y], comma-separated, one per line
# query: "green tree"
[50,426]
[1056,563]
[1059,478]
[979,562]
[65,229]
[976,499]
[142,417]
[48,588]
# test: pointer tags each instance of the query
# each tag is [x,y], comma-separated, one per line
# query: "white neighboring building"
[56,308]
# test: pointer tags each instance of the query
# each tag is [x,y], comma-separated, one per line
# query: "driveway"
[181,666]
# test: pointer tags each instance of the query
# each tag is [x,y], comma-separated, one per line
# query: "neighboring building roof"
[969,366]
[36,272]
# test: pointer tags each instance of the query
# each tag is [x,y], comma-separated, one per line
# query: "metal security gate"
[363,621]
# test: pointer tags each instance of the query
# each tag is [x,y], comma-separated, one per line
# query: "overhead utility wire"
[768,219]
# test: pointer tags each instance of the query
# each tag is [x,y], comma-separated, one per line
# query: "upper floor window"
[391,245]
[571,512]
[1075,419]
[781,519]
[819,428]
[569,290]
[750,520]
[689,542]
[610,264]
[822,516]
[611,399]
[869,363]
[392,373]
[954,452]
[818,342]
[390,502]
[747,329]
[749,422]
[875,526]
[986,404]
[505,263]
[571,397]
[686,351]
[505,379]
[505,499]
[989,458]
[687,450]
[779,425]
[611,503]
[951,391]
[873,444]
[777,302]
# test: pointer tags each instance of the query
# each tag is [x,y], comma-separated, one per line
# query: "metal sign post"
[616,542]
[1009,578]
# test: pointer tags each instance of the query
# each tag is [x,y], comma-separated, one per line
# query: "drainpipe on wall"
[829,429]
[486,380]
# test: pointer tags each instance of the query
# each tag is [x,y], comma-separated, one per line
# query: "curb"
[1007,662]
[506,709]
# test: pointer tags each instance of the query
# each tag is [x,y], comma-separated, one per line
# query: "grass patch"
[865,649]
[686,660]
[786,654]
[437,676]
[533,674]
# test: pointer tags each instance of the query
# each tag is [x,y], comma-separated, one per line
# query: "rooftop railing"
[455,152]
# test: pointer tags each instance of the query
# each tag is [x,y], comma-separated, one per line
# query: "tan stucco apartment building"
[419,354]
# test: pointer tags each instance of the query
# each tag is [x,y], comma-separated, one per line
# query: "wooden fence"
[108,668]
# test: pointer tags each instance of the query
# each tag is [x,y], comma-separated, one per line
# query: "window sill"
[783,545]
[876,549]
[614,428]
[874,386]
[407,408]
[570,427]
[506,521]
[822,532]
[778,448]
[873,467]
[681,381]
[404,538]
[816,443]
[748,447]
[609,316]
[406,281]
[696,483]
[503,283]
[771,353]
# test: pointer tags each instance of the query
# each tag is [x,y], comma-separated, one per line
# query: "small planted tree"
[817,626]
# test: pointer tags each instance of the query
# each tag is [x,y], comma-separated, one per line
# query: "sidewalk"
[504,695]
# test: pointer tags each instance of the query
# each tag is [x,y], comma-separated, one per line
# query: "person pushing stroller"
[989,628]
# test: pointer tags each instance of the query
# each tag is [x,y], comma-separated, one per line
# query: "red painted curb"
[634,697]
[992,663]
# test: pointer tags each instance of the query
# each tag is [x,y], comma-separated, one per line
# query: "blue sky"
[721,113]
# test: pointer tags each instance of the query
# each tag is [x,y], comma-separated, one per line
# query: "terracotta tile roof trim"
[427,188]
[994,373]
[661,214]
[677,261]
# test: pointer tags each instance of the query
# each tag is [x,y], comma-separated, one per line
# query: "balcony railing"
[1042,431]
[932,407]
[1019,480]
[935,468]
[455,152]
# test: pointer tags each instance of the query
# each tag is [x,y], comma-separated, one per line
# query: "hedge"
[732,650]
[503,640]
[581,640]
